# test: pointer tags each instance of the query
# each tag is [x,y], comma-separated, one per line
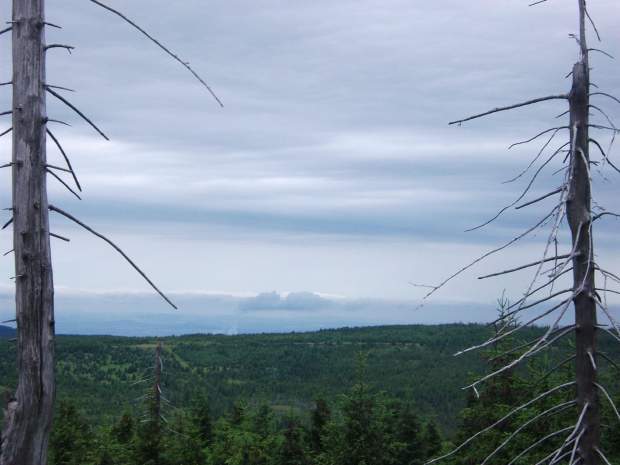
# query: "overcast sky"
[330,171]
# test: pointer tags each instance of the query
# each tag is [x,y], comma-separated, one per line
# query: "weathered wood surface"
[28,419]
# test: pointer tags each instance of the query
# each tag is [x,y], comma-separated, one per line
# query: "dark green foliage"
[431,439]
[409,362]
[200,424]
[371,429]
[360,436]
[123,431]
[294,450]
[611,425]
[516,409]
[247,438]
[319,417]
[71,437]
[282,420]
[183,444]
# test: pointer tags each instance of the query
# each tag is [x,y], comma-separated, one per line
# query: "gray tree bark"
[28,419]
[578,212]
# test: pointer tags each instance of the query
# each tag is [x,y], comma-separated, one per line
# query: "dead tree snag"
[29,417]
[574,202]
[29,414]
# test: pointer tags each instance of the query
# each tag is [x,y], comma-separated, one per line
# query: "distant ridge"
[6,332]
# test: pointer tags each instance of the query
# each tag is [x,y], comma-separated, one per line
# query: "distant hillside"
[7,332]
[415,363]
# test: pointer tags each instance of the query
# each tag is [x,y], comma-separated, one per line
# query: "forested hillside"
[7,332]
[270,392]
[415,363]
[102,374]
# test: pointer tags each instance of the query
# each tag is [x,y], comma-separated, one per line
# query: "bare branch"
[536,444]
[504,418]
[572,460]
[591,356]
[593,25]
[422,285]
[560,407]
[63,183]
[563,113]
[555,460]
[546,375]
[579,421]
[57,121]
[606,357]
[454,275]
[60,87]
[185,64]
[605,115]
[609,332]
[510,107]
[525,191]
[75,220]
[60,237]
[596,217]
[77,183]
[606,95]
[611,402]
[599,126]
[605,157]
[538,135]
[610,275]
[601,455]
[66,102]
[9,112]
[611,318]
[537,347]
[526,266]
[524,307]
[558,150]
[68,47]
[600,51]
[60,168]
[557,191]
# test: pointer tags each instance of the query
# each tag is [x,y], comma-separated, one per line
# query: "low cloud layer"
[145,314]
[305,301]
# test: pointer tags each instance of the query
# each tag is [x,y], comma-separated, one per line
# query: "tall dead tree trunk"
[29,415]
[583,440]
[578,212]
[156,401]
[28,419]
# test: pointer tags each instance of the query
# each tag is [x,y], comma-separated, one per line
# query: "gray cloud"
[331,167]
[306,301]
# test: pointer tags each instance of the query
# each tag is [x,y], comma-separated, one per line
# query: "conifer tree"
[71,436]
[319,417]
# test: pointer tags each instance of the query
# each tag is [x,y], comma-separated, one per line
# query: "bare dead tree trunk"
[583,440]
[29,415]
[156,405]
[28,419]
[578,212]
